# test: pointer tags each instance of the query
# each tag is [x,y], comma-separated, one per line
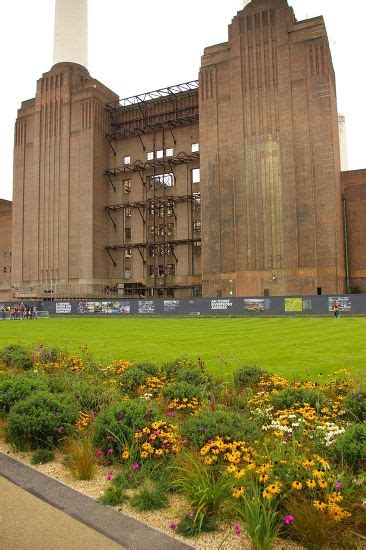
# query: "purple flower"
[109,475]
[289,436]
[173,526]
[191,515]
[170,414]
[338,486]
[237,529]
[131,476]
[203,428]
[288,519]
[110,451]
[135,466]
[110,438]
[99,453]
[185,441]
[60,429]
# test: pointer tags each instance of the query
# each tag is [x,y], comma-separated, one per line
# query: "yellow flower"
[263,478]
[159,452]
[297,485]
[125,455]
[267,494]
[144,454]
[311,483]
[240,474]
[237,493]
[322,484]
[319,505]
[318,474]
[307,464]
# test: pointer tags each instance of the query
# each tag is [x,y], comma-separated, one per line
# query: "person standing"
[336,309]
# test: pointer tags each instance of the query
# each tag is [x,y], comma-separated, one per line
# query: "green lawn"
[290,347]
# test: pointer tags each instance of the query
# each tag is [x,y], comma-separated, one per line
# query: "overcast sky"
[141,45]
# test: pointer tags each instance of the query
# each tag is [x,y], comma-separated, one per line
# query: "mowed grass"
[292,347]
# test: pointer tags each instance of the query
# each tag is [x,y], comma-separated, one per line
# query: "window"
[127,160]
[127,232]
[170,269]
[195,147]
[170,250]
[151,209]
[197,248]
[196,201]
[169,152]
[152,251]
[128,252]
[127,186]
[159,154]
[150,155]
[128,212]
[161,270]
[152,230]
[4,269]
[196,225]
[161,180]
[151,271]
[266,292]
[170,228]
[161,229]
[319,291]
[196,175]
[128,274]
[161,250]
[170,209]
[161,211]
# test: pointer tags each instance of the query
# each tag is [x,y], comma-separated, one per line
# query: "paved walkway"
[28,523]
[40,513]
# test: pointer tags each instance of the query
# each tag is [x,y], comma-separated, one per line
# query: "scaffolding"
[167,108]
[160,111]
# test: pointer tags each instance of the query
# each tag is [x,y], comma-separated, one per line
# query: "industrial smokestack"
[71,32]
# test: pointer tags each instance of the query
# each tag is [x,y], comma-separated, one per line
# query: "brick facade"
[122,215]
[5,249]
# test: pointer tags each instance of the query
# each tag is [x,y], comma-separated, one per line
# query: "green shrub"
[260,517]
[113,496]
[194,376]
[17,388]
[16,356]
[41,419]
[180,390]
[206,491]
[42,456]
[355,406]
[247,376]
[190,528]
[135,376]
[287,398]
[92,396]
[350,447]
[114,428]
[152,496]
[44,355]
[210,424]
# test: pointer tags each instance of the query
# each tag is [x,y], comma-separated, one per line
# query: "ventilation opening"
[319,291]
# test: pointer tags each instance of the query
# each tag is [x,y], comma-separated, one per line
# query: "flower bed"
[273,459]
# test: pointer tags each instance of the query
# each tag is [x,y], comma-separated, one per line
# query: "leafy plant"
[114,495]
[114,428]
[181,390]
[152,496]
[42,456]
[80,456]
[17,388]
[221,422]
[350,447]
[247,376]
[136,376]
[190,528]
[260,517]
[41,419]
[206,491]
[355,406]
[16,356]
[288,397]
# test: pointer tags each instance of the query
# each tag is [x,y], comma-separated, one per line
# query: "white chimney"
[71,32]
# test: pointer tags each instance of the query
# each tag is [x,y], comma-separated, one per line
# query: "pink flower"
[338,486]
[288,519]
[191,515]
[109,475]
[110,451]
[99,453]
[237,529]
[135,466]
[131,476]
[170,414]
[173,526]
[185,441]
[60,429]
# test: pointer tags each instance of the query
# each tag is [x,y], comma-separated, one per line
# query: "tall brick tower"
[270,167]
[60,154]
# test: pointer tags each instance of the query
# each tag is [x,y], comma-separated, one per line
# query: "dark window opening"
[319,291]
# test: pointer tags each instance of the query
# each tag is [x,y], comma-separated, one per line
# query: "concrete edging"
[125,530]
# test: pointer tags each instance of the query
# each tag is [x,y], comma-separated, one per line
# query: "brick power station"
[230,185]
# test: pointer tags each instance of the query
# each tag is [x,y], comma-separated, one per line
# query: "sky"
[142,45]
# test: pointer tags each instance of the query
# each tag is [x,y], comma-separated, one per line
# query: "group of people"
[21,311]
